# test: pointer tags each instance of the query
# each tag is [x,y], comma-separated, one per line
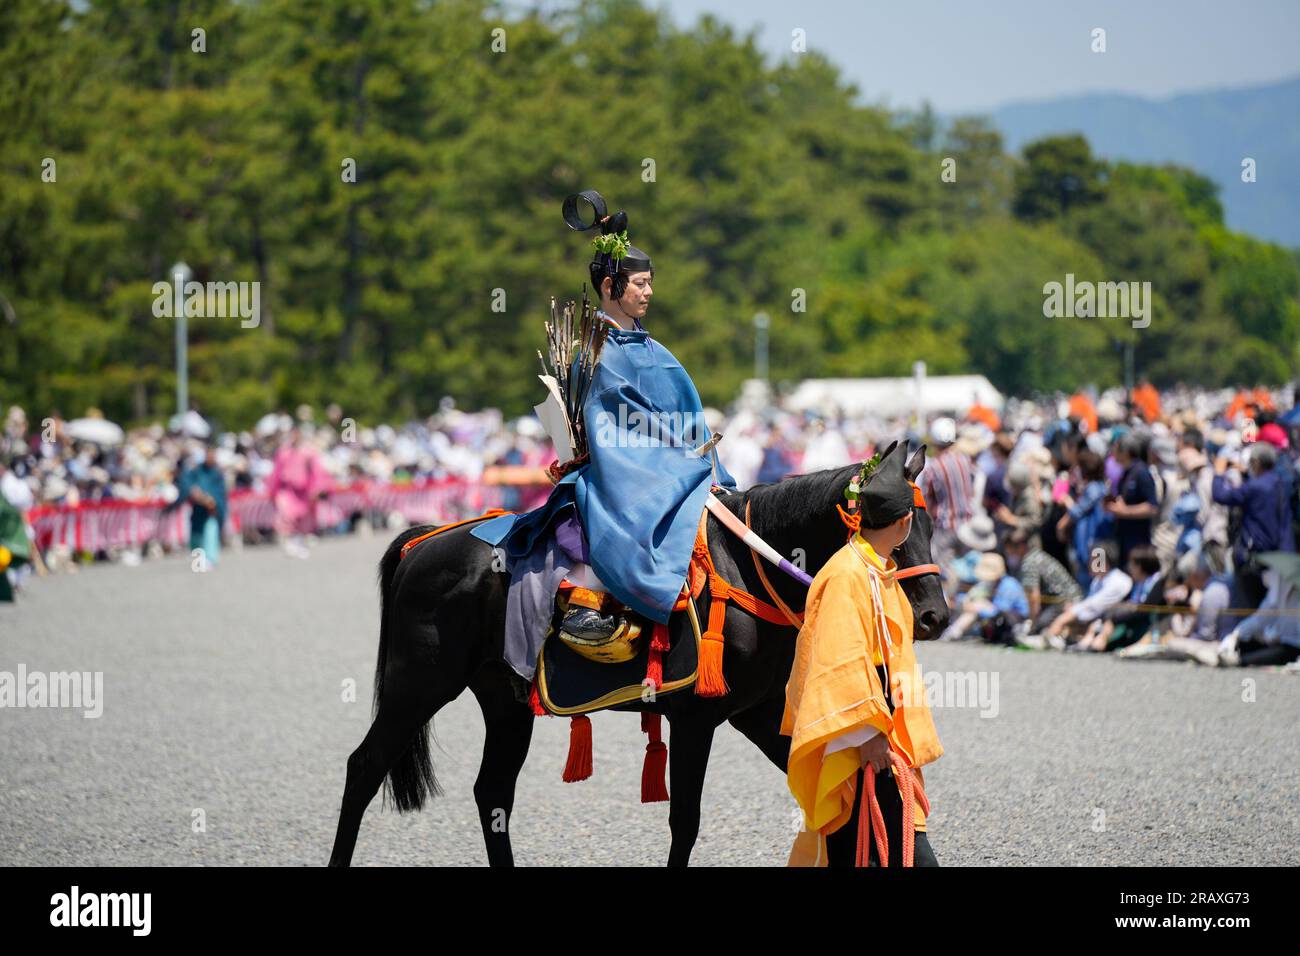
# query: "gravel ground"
[224,705]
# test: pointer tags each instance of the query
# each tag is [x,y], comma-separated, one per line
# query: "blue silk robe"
[639,499]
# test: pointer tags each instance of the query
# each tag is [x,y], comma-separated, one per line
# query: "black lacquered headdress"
[615,255]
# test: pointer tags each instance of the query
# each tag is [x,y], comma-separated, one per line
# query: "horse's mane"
[798,503]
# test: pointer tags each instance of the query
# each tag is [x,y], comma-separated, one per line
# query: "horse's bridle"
[917,570]
[745,533]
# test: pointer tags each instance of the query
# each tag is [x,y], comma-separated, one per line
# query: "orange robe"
[1147,400]
[1081,407]
[834,688]
[985,416]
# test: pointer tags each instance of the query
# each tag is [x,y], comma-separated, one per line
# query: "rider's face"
[636,298]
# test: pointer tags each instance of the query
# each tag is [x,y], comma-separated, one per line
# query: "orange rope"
[721,591]
[869,813]
[852,520]
[490,513]
[794,618]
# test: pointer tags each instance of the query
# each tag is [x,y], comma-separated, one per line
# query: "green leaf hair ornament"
[616,244]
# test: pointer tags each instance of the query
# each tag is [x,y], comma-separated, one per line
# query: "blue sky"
[968,56]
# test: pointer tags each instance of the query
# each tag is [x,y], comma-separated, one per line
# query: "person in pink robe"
[297,480]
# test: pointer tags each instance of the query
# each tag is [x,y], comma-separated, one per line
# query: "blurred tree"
[1058,174]
[982,186]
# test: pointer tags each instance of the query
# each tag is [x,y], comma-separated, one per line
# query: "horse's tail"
[411,778]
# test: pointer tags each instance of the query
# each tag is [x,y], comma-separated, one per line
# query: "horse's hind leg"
[509,726]
[403,713]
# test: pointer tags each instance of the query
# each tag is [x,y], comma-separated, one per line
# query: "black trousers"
[842,845]
[1248,587]
[1255,654]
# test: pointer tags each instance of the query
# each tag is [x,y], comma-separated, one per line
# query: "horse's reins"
[870,818]
[758,546]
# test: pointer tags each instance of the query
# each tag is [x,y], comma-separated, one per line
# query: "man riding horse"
[621,520]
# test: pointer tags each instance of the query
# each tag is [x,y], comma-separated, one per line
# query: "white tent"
[99,431]
[887,397]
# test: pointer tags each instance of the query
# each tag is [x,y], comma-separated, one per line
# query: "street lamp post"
[181,274]
[918,377]
[1128,368]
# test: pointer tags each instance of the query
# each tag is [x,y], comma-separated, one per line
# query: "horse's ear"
[888,451]
[915,464]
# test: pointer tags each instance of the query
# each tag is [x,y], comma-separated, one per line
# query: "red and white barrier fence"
[101,525]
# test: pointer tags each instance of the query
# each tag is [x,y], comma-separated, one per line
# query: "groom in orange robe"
[856,641]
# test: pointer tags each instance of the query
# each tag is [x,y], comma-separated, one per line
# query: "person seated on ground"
[1215,590]
[1049,587]
[1270,636]
[1108,587]
[1173,594]
[992,608]
[1129,621]
[1211,599]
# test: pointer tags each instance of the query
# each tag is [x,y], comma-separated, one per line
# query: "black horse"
[441,627]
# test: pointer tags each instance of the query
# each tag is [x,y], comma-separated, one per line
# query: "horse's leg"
[690,741]
[762,725]
[509,726]
[406,707]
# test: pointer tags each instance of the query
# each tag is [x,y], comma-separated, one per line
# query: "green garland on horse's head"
[863,475]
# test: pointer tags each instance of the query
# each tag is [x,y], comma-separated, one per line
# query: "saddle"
[638,662]
[577,677]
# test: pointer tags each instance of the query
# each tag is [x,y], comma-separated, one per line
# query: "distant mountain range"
[1210,132]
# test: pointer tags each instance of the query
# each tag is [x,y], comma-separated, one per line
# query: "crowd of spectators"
[1146,524]
[58,466]
[1163,526]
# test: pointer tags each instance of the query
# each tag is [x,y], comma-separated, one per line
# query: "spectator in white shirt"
[1110,585]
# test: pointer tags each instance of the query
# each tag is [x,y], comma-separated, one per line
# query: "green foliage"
[754,185]
[1197,196]
[1059,174]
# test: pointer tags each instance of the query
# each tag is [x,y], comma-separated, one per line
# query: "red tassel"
[654,669]
[535,702]
[578,766]
[709,681]
[660,641]
[654,784]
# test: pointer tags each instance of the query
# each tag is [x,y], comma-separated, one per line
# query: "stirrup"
[587,626]
[619,645]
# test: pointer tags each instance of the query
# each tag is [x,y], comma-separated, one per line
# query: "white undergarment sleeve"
[852,738]
[584,577]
